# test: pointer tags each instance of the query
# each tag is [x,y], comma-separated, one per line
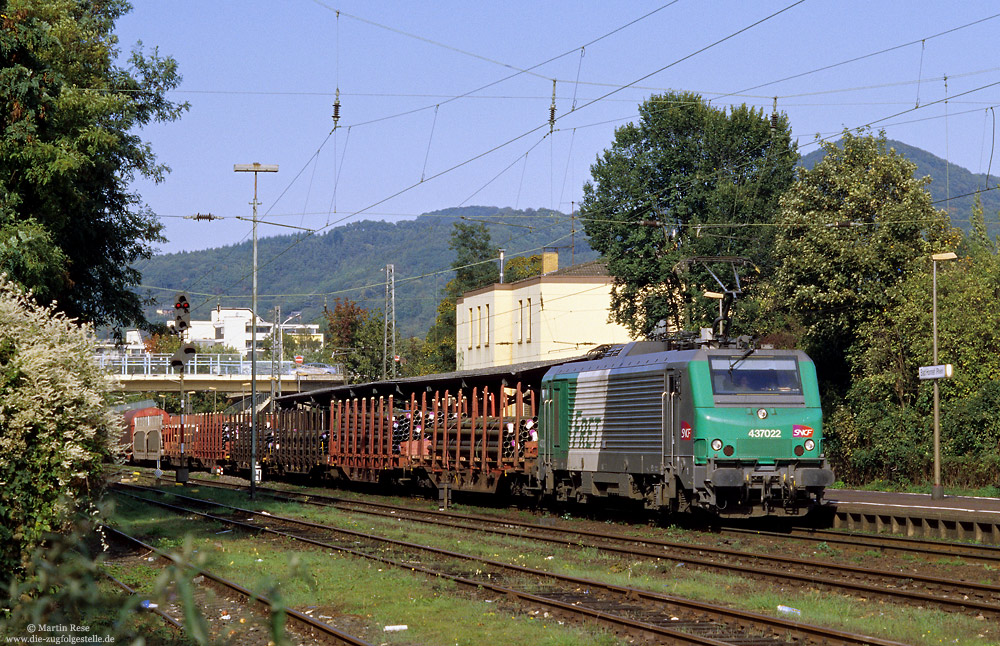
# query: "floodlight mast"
[254,168]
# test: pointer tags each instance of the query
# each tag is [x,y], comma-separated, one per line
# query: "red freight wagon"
[141,437]
[467,440]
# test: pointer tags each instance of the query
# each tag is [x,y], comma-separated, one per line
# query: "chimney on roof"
[550,260]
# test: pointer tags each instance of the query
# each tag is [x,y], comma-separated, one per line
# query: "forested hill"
[305,273]
[349,261]
[946,180]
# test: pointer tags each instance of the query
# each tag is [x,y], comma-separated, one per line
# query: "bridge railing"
[199,364]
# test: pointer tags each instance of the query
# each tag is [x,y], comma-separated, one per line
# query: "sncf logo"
[798,430]
[685,431]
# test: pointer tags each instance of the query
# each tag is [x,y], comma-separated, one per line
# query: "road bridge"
[226,374]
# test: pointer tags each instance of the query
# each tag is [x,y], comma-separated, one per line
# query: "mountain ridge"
[307,273]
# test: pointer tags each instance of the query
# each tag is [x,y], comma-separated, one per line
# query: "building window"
[486,340]
[520,321]
[470,328]
[479,326]
[528,313]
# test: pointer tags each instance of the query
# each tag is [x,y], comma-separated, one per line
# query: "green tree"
[521,267]
[474,268]
[687,180]
[884,428]
[474,252]
[415,355]
[850,230]
[357,340]
[56,430]
[70,229]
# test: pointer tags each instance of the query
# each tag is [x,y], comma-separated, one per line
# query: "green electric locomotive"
[733,431]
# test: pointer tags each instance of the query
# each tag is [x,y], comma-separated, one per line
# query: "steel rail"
[899,543]
[853,539]
[744,618]
[310,624]
[967,604]
[164,616]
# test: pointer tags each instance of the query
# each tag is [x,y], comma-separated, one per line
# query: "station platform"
[917,515]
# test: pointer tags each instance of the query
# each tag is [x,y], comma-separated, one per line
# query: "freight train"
[721,427]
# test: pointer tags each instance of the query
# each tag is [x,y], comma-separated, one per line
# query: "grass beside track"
[334,585]
[413,596]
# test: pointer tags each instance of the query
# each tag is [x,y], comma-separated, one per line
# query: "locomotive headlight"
[716,445]
[810,445]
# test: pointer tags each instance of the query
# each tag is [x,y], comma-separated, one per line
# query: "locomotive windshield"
[755,376]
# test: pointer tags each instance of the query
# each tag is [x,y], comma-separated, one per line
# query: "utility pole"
[389,325]
[274,328]
[254,168]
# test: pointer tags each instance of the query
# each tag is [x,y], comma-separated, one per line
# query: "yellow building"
[561,314]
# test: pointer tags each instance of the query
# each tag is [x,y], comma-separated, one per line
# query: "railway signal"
[183,354]
[182,313]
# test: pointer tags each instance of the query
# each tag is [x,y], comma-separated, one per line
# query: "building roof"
[596,268]
[494,377]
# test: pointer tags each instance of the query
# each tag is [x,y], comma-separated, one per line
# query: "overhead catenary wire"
[329,223]
[861,57]
[334,223]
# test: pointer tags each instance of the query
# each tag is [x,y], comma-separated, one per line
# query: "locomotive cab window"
[755,376]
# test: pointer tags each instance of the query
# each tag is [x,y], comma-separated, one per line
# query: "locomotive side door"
[670,428]
[553,444]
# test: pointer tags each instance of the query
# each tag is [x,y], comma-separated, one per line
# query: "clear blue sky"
[261,76]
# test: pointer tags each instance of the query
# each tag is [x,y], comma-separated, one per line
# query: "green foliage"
[68,154]
[476,265]
[884,428]
[687,180]
[357,338]
[850,230]
[947,180]
[415,357]
[27,254]
[522,267]
[55,426]
[475,261]
[62,587]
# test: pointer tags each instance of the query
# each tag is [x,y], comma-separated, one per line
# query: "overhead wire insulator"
[336,110]
[552,108]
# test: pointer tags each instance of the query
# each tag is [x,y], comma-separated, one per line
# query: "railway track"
[914,588]
[626,609]
[930,549]
[921,547]
[234,614]
[167,619]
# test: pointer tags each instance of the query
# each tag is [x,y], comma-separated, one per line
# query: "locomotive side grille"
[755,447]
[629,407]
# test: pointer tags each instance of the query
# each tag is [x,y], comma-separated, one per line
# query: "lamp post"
[254,168]
[937,491]
[719,297]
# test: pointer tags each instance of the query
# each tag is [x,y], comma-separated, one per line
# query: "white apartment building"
[231,327]
[561,314]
